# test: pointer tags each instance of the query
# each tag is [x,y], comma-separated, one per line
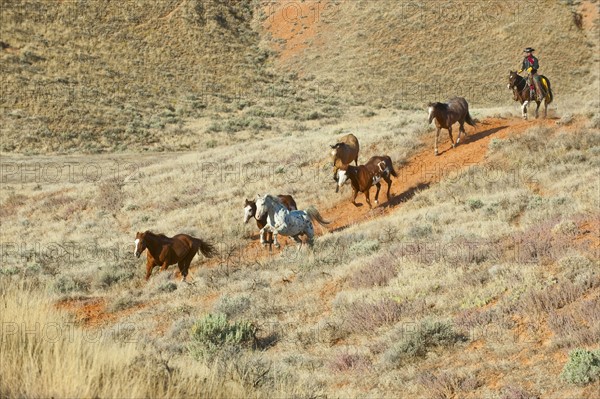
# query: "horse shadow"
[472,138]
[405,196]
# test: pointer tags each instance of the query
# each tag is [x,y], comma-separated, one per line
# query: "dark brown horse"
[164,251]
[363,177]
[446,115]
[250,212]
[522,93]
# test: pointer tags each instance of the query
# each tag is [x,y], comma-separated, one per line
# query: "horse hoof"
[436,153]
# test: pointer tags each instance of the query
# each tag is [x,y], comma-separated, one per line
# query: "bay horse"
[280,220]
[363,177]
[250,212]
[522,93]
[164,251]
[446,115]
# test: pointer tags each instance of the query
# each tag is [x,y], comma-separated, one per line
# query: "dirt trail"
[424,169]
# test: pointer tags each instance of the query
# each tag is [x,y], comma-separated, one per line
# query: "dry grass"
[46,354]
[354,302]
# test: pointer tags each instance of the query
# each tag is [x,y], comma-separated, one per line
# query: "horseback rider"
[531,65]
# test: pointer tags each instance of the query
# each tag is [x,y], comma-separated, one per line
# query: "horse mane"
[150,232]
[274,198]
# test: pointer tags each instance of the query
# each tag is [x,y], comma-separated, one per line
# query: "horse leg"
[298,240]
[149,267]
[355,193]
[262,236]
[275,240]
[451,138]
[435,147]
[536,109]
[378,185]
[164,266]
[524,109]
[310,233]
[461,130]
[389,183]
[183,268]
[368,199]
[545,109]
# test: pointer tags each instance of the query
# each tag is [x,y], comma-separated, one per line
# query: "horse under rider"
[531,65]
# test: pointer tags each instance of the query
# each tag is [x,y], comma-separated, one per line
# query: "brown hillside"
[180,75]
[415,52]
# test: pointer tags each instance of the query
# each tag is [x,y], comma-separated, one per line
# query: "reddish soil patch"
[589,12]
[92,312]
[294,25]
[589,235]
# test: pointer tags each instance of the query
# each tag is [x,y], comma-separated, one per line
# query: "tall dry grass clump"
[45,354]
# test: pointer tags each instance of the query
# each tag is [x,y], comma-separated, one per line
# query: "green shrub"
[213,333]
[475,204]
[420,231]
[66,284]
[583,367]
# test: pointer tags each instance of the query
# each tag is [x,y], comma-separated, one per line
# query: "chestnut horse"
[446,115]
[250,212]
[164,251]
[363,177]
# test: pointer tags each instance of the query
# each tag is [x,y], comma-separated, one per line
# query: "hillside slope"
[415,52]
[100,75]
[192,74]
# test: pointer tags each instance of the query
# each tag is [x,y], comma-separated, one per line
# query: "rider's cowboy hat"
[529,50]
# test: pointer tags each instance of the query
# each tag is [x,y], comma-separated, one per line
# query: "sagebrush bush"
[111,195]
[445,384]
[231,306]
[516,392]
[366,317]
[377,272]
[213,333]
[66,284]
[583,367]
[428,335]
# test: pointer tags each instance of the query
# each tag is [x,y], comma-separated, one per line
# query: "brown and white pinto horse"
[164,251]
[363,177]
[250,212]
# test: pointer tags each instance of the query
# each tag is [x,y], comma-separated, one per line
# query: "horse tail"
[550,95]
[392,171]
[314,214]
[469,120]
[206,248]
